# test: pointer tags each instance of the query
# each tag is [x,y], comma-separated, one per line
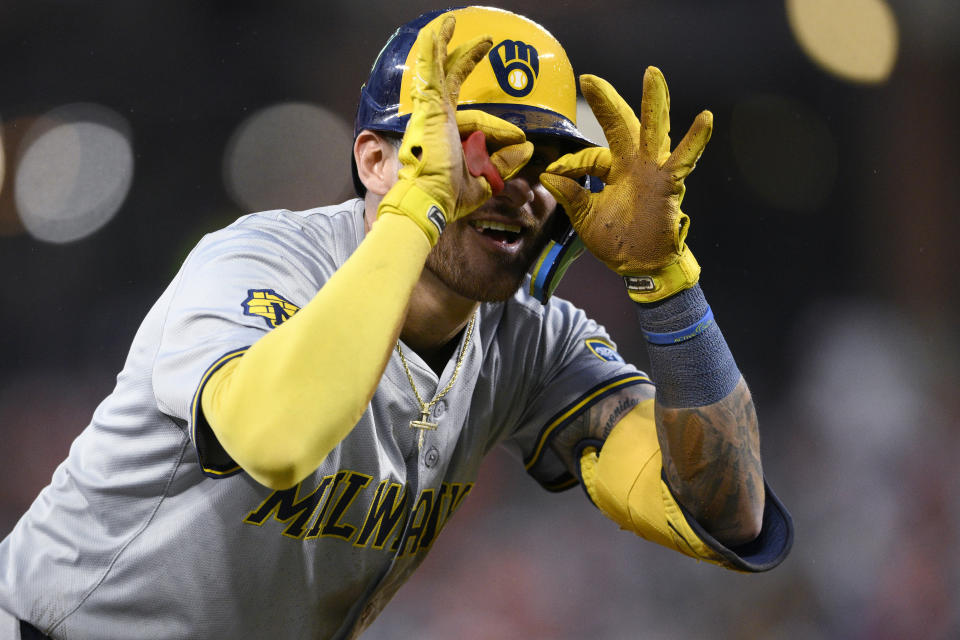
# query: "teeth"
[482,225]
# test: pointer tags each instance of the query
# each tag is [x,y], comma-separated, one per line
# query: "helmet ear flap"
[563,247]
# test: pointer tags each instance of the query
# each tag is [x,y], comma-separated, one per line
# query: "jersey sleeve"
[235,286]
[573,364]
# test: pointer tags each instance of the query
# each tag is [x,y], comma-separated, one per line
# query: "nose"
[518,190]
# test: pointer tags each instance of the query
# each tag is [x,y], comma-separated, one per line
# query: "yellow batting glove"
[434,185]
[635,225]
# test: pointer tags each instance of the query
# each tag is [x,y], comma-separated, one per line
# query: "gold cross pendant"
[422,424]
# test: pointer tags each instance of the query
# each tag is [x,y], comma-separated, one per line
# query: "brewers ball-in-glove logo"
[603,350]
[516,65]
[269,305]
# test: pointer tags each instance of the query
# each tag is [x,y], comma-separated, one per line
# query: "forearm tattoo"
[711,458]
[597,421]
[711,455]
[610,417]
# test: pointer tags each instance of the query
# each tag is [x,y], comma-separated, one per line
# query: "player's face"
[485,255]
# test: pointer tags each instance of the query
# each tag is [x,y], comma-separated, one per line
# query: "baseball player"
[308,403]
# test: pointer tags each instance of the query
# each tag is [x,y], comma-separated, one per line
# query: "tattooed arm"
[711,458]
[710,455]
[597,421]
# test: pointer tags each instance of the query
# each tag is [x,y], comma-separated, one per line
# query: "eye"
[544,155]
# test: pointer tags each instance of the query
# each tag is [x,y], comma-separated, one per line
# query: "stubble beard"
[477,274]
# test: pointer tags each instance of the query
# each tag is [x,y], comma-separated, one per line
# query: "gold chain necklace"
[423,424]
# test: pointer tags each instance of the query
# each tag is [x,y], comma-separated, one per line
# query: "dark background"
[824,214]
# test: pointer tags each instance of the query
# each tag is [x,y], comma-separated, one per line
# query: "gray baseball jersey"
[149,530]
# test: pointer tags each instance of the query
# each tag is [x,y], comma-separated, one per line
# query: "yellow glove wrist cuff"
[407,199]
[673,278]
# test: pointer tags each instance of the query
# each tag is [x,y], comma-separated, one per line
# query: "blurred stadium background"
[825,215]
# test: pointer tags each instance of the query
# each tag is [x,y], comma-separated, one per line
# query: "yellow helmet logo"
[516,66]
[527,66]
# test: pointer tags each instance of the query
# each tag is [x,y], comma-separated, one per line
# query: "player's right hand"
[435,185]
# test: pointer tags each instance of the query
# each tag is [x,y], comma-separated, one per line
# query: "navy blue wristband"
[690,361]
[682,335]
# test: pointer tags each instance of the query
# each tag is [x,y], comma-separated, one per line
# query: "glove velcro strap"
[407,199]
[650,287]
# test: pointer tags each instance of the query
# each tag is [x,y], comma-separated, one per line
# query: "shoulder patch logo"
[516,65]
[269,305]
[603,350]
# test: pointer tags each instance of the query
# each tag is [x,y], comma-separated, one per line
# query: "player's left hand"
[635,225]
[435,185]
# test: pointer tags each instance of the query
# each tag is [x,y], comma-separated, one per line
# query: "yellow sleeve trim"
[626,484]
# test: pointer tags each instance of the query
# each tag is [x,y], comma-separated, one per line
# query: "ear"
[376,160]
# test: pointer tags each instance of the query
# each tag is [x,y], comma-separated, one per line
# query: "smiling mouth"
[498,231]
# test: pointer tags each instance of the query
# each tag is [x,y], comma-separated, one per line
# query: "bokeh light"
[856,40]
[784,151]
[289,156]
[73,173]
